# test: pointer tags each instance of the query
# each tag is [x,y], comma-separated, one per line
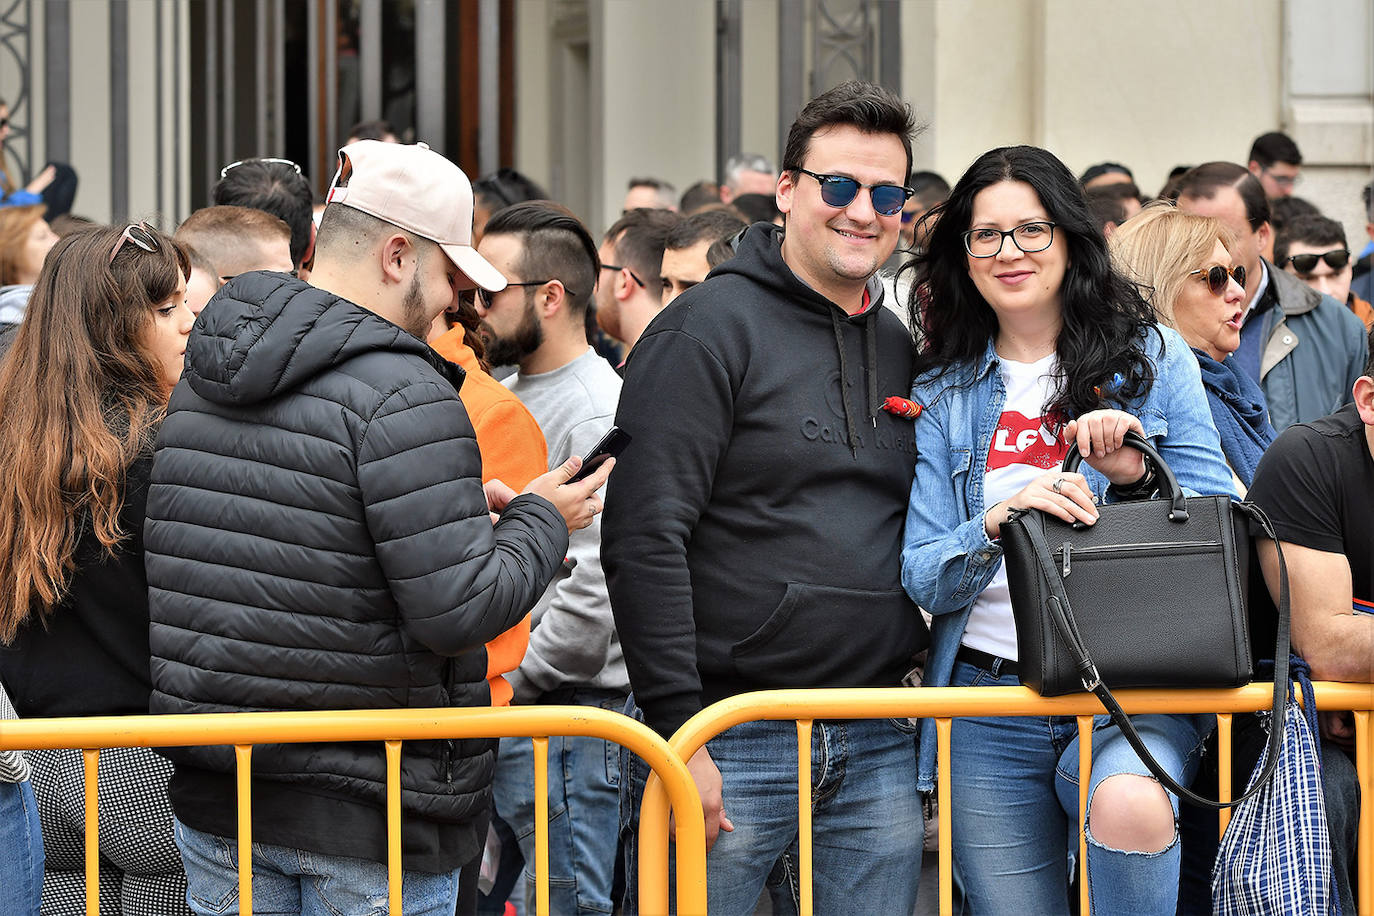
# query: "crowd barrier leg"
[1364,768]
[394,880]
[91,759]
[1223,769]
[804,838]
[1085,775]
[541,825]
[243,760]
[943,730]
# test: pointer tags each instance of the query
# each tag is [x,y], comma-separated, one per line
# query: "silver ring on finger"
[1058,486]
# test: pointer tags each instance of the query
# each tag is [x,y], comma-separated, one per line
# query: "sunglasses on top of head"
[840,190]
[1306,263]
[1217,276]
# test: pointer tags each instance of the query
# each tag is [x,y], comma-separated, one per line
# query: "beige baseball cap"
[415,188]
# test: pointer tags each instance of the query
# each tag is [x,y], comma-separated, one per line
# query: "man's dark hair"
[1284,210]
[1369,366]
[930,188]
[1367,194]
[504,187]
[1106,205]
[371,130]
[663,190]
[1205,180]
[1307,230]
[708,224]
[757,208]
[701,194]
[866,106]
[554,245]
[639,237]
[1104,168]
[721,250]
[1170,189]
[274,187]
[1274,147]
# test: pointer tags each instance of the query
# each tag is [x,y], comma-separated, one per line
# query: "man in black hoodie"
[318,538]
[753,537]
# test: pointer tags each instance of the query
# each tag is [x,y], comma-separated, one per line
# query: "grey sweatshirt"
[572,640]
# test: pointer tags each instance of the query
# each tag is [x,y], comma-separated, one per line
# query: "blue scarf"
[1239,412]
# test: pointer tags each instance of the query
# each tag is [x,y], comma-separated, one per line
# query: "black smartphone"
[610,446]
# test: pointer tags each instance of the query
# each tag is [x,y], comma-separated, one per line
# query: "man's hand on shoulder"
[577,502]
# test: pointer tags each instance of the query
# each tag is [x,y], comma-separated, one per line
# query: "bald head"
[238,239]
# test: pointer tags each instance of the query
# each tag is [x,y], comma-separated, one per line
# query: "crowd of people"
[297,455]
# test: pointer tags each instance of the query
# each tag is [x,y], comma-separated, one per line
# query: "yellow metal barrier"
[243,730]
[947,703]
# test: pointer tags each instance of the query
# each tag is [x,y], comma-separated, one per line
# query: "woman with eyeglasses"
[1033,345]
[83,388]
[1183,265]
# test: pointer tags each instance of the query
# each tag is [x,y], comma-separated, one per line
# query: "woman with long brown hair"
[82,390]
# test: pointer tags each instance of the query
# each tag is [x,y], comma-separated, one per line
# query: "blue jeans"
[584,808]
[1014,792]
[21,849]
[867,824]
[296,881]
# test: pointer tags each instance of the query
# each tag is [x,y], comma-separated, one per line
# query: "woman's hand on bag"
[1099,435]
[1065,496]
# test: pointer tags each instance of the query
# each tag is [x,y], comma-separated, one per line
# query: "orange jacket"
[1363,310]
[514,452]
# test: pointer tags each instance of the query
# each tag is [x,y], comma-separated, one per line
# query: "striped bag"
[1276,854]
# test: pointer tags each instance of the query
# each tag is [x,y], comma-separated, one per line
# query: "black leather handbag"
[1154,594]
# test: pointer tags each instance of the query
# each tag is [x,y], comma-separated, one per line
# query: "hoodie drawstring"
[871,339]
[844,385]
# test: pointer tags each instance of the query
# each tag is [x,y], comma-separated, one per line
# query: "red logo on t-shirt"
[1021,440]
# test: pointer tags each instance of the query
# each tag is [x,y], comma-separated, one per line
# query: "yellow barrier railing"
[947,703]
[243,730]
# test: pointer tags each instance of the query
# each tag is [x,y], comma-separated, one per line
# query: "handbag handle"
[1061,613]
[1168,487]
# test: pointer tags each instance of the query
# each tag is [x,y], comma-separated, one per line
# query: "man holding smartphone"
[539,324]
[752,534]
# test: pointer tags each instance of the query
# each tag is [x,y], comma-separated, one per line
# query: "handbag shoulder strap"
[1061,613]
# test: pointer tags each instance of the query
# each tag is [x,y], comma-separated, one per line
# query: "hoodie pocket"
[824,636]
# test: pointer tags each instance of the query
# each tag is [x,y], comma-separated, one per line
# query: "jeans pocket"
[211,869]
[905,726]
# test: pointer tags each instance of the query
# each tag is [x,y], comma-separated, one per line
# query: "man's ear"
[553,296]
[397,257]
[1364,399]
[1255,168]
[787,186]
[310,249]
[1265,236]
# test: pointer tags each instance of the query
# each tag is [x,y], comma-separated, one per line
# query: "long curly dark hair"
[1102,360]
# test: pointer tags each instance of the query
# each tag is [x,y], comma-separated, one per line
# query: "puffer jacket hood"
[265,333]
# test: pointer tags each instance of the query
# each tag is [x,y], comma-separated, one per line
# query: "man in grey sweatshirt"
[538,323]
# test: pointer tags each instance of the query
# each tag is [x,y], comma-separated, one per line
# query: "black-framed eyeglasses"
[633,275]
[139,235]
[840,190]
[487,295]
[1218,275]
[224,172]
[1283,181]
[1306,263]
[1031,237]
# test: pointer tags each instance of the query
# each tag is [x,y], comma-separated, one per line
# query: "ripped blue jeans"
[1014,784]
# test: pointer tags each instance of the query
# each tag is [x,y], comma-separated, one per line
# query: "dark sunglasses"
[1306,263]
[633,275]
[139,235]
[1216,277]
[487,295]
[840,191]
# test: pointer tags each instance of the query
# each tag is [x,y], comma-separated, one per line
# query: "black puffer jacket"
[318,538]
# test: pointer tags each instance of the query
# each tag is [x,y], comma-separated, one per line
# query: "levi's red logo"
[1021,440]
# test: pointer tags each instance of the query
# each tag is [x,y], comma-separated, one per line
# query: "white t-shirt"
[1022,449]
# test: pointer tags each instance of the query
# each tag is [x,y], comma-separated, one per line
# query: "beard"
[414,316]
[508,351]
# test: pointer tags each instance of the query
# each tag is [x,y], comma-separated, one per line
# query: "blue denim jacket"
[947,558]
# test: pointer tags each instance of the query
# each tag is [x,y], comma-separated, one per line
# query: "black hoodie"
[318,538]
[753,529]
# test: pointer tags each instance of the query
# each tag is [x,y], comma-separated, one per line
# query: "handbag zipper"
[1066,551]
